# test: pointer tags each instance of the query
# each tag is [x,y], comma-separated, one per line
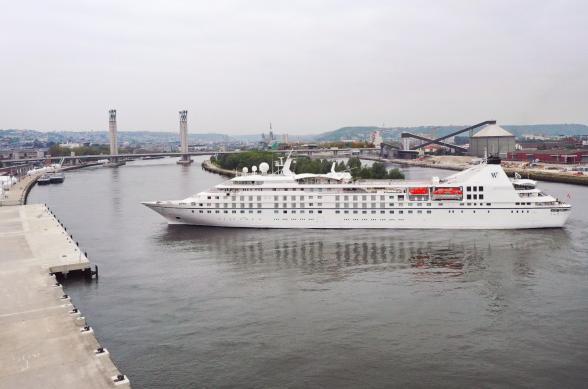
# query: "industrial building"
[492,140]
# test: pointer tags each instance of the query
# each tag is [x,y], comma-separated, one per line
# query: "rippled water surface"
[184,307]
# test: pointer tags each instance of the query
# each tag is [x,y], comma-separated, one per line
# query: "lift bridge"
[407,152]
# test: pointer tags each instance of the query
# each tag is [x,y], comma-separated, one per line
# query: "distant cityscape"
[564,139]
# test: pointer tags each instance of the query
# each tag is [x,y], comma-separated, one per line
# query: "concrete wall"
[493,145]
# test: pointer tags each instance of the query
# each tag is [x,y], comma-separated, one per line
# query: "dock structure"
[45,341]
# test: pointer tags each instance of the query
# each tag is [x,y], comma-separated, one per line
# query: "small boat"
[57,178]
[45,179]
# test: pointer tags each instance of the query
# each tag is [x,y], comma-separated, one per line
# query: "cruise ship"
[481,197]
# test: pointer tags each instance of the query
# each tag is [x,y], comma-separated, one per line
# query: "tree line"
[307,165]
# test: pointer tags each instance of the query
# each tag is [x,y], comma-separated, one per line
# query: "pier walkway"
[44,341]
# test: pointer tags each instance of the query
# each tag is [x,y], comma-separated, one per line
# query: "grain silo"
[493,140]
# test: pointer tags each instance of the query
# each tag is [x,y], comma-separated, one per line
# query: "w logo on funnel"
[494,174]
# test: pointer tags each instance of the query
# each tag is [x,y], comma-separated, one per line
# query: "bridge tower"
[185,158]
[112,132]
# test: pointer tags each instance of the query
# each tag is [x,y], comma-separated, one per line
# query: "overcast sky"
[306,66]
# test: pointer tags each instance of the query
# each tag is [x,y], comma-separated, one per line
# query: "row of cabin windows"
[474,188]
[337,197]
[474,196]
[391,212]
[337,205]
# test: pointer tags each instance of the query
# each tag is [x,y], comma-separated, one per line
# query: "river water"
[183,307]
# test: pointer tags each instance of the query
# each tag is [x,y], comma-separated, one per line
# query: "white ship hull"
[479,218]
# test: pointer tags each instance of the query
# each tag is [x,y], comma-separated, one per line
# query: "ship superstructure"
[481,197]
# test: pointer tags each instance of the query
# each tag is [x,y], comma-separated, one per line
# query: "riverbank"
[510,168]
[212,168]
[45,341]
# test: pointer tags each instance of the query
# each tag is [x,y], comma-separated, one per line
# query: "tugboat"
[45,179]
[56,178]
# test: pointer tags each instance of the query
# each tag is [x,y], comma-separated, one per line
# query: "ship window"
[293,211]
[201,211]
[363,205]
[373,205]
[337,211]
[481,197]
[302,211]
[364,197]
[469,188]
[401,212]
[355,211]
[258,211]
[475,197]
[382,211]
[346,211]
[429,204]
[392,212]
[373,211]
[285,211]
[488,204]
[217,211]
[480,188]
[233,211]
[429,211]
[419,211]
[373,197]
[320,211]
[410,204]
[301,198]
[363,211]
[292,197]
[242,211]
[311,211]
[345,198]
[276,211]
[225,211]
[285,198]
[258,205]
[192,211]
[276,198]
[400,197]
[320,204]
[209,197]
[410,211]
[337,205]
[469,196]
[391,204]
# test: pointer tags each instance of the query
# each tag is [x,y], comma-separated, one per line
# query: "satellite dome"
[263,167]
[245,170]
[253,168]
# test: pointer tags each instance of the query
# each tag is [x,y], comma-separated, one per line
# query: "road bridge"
[85,158]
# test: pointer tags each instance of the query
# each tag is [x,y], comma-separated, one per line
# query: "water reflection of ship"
[344,250]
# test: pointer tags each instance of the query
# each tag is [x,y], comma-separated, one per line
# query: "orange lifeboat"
[448,191]
[419,191]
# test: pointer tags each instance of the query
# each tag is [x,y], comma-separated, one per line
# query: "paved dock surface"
[42,342]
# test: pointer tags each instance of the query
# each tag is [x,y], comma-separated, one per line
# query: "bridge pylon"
[185,158]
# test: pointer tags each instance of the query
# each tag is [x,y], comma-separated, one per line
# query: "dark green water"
[183,307]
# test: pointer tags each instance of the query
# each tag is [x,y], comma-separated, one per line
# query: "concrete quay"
[212,168]
[44,340]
